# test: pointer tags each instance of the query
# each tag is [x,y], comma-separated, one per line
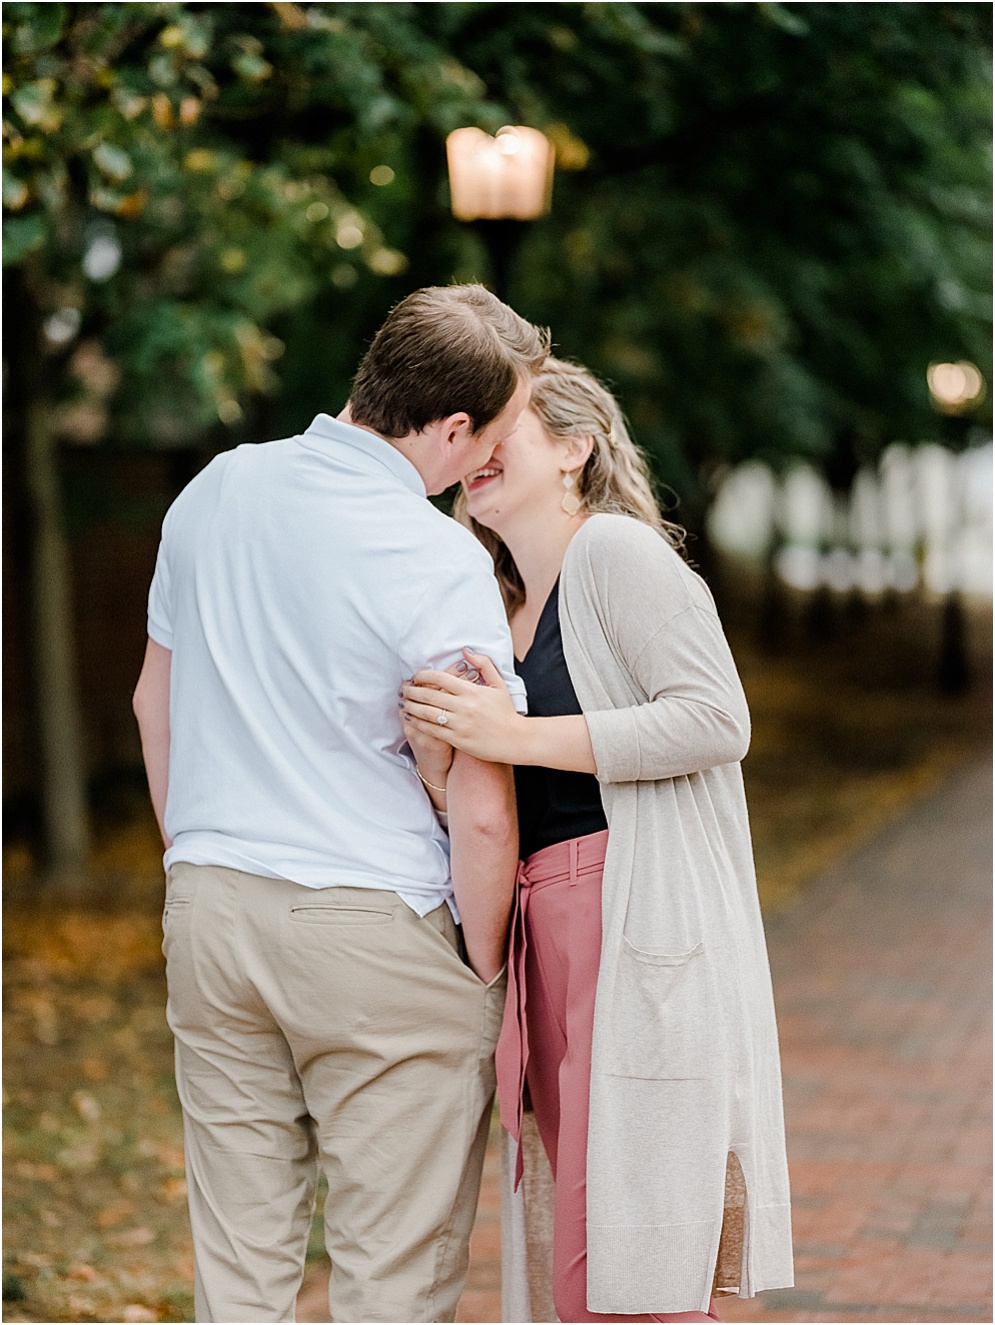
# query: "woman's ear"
[577,451]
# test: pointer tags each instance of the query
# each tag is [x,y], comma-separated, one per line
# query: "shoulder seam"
[688,607]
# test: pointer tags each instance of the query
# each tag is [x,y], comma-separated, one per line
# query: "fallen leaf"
[170,1157]
[86,1106]
[114,1213]
[135,1311]
[81,1271]
[134,1237]
[101,1007]
[36,1172]
[81,1158]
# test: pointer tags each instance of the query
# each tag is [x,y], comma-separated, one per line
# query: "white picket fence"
[922,519]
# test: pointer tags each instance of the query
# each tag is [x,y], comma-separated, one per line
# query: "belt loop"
[573,861]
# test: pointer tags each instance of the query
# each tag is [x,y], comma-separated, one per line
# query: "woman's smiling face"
[523,476]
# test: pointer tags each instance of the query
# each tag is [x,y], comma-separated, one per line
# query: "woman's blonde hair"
[571,402]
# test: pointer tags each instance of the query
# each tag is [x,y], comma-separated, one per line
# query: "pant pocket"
[659,1016]
[179,891]
[496,980]
[176,904]
[318,914]
[447,938]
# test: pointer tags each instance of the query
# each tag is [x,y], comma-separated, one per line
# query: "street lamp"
[498,184]
[955,388]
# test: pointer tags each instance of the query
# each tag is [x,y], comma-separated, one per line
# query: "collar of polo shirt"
[374,450]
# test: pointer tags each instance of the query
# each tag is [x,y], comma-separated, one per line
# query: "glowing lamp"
[954,386]
[507,177]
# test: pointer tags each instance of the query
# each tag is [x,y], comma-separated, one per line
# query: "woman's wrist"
[562,742]
[527,739]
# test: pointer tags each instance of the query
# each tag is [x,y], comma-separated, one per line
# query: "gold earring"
[571,502]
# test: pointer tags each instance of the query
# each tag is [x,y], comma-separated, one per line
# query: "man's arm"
[151,705]
[483,838]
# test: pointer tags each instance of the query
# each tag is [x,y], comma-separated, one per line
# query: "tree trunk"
[63,775]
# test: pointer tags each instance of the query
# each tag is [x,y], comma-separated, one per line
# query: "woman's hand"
[480,719]
[433,756]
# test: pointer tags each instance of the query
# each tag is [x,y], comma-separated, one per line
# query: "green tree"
[769,219]
[171,189]
[784,218]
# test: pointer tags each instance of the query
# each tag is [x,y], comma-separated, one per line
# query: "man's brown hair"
[444,350]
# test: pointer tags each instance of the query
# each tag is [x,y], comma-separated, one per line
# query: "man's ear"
[456,427]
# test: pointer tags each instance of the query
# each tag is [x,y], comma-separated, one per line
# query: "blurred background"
[766,226]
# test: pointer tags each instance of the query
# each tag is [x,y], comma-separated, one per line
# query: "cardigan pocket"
[659,1015]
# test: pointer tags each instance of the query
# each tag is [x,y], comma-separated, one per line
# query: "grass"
[95,1223]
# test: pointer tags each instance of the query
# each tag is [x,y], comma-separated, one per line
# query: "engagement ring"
[443,717]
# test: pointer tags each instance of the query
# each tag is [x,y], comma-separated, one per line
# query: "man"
[321,1011]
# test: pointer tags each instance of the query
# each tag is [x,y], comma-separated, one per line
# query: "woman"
[640,1021]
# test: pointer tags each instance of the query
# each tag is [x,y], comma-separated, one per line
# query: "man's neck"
[345,416]
[407,446]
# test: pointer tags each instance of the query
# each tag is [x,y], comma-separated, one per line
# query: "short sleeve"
[462,608]
[160,618]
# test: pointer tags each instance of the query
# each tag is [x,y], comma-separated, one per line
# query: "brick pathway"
[883,987]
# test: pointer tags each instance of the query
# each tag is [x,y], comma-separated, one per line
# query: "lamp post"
[498,184]
[954,388]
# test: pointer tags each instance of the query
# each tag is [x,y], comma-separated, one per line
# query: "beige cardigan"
[686,1133]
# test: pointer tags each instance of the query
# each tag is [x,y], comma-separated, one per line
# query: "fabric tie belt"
[565,862]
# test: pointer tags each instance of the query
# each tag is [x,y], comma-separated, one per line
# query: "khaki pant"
[326,1028]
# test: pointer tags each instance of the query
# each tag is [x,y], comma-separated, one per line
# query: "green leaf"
[15,191]
[113,161]
[21,236]
[33,101]
[253,68]
[788,20]
[35,27]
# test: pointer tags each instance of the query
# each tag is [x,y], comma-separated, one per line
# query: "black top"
[553,805]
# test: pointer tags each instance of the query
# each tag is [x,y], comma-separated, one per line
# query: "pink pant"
[546,1041]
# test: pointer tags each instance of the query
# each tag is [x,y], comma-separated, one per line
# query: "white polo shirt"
[297,584]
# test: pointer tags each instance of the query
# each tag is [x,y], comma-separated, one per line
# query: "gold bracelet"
[431,785]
